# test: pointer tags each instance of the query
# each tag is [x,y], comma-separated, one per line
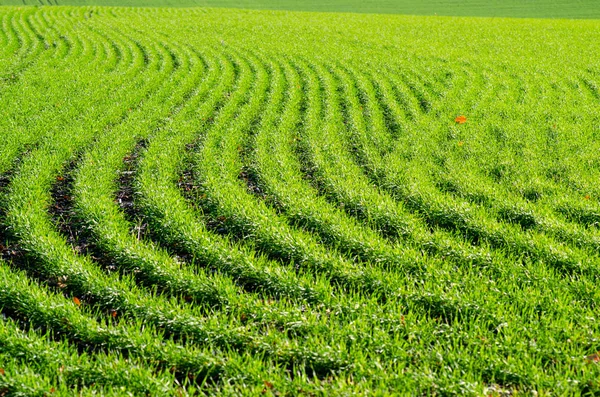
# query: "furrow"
[78,276]
[179,225]
[61,363]
[51,111]
[447,247]
[223,196]
[278,178]
[503,256]
[23,300]
[342,182]
[465,177]
[441,210]
[94,189]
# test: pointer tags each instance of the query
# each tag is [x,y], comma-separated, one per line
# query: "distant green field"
[489,8]
[208,201]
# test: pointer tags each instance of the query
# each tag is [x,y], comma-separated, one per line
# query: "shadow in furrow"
[125,193]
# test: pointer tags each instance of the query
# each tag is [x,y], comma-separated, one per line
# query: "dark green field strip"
[495,8]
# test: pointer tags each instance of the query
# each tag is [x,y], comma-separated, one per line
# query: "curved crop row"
[203,201]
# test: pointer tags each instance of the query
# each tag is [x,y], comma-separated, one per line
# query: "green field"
[484,8]
[233,202]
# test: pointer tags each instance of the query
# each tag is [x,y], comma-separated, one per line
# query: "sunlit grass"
[251,202]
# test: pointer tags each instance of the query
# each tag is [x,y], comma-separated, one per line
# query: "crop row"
[224,214]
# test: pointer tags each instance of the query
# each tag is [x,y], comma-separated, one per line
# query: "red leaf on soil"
[593,357]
